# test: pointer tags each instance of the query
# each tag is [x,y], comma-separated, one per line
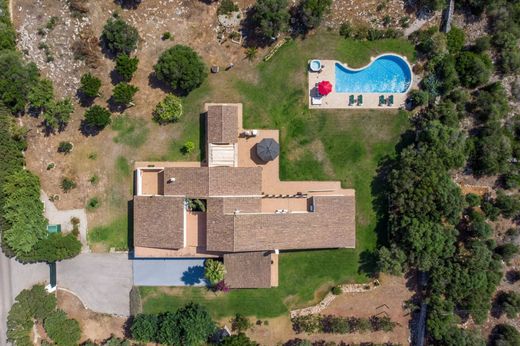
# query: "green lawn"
[113,235]
[320,145]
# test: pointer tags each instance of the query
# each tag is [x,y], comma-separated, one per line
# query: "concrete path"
[102,281]
[169,272]
[63,218]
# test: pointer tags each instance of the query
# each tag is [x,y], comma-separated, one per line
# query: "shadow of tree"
[194,275]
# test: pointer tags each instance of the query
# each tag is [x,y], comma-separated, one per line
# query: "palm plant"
[214,271]
[251,53]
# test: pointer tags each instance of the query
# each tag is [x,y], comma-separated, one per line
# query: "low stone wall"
[329,298]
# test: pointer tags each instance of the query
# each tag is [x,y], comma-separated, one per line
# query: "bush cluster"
[189,325]
[340,325]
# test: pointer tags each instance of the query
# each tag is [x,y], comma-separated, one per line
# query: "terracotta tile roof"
[331,225]
[159,222]
[248,270]
[213,181]
[222,124]
[219,226]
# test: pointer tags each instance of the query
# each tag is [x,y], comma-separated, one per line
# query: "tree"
[507,251]
[240,323]
[473,69]
[57,114]
[90,85]
[23,211]
[126,66]
[313,11]
[270,17]
[455,40]
[491,103]
[504,335]
[239,339]
[214,271]
[97,116]
[123,93]
[226,7]
[62,330]
[145,327]
[115,341]
[41,94]
[509,60]
[182,68]
[446,73]
[492,152]
[16,80]
[447,143]
[31,304]
[168,110]
[119,36]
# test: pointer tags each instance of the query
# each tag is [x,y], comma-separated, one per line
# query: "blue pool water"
[386,74]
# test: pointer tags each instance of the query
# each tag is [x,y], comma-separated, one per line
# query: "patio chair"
[351,100]
[360,100]
[382,100]
[391,100]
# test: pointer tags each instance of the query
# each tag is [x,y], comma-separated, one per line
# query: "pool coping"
[338,100]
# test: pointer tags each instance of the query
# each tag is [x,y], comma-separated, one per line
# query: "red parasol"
[324,87]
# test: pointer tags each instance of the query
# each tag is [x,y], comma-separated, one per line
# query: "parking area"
[169,272]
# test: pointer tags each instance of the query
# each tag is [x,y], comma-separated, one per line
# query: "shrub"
[222,286]
[513,276]
[346,30]
[336,290]
[144,327]
[119,37]
[94,179]
[473,200]
[270,17]
[126,66]
[188,147]
[65,147]
[168,110]
[67,184]
[506,251]
[90,85]
[93,203]
[482,44]
[418,98]
[123,93]
[515,89]
[97,116]
[214,271]
[239,339]
[473,69]
[226,7]
[166,36]
[182,68]
[62,330]
[509,60]
[57,114]
[455,40]
[55,247]
[504,334]
[509,205]
[240,323]
[508,303]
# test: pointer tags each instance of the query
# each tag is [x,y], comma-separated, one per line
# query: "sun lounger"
[382,100]
[360,100]
[391,100]
[351,100]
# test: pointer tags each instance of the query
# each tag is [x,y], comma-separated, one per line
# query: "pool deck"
[336,100]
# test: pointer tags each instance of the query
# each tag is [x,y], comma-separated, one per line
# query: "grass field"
[319,145]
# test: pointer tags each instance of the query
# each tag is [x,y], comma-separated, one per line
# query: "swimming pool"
[386,74]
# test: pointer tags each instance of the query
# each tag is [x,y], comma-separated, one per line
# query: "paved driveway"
[102,281]
[14,277]
[169,272]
